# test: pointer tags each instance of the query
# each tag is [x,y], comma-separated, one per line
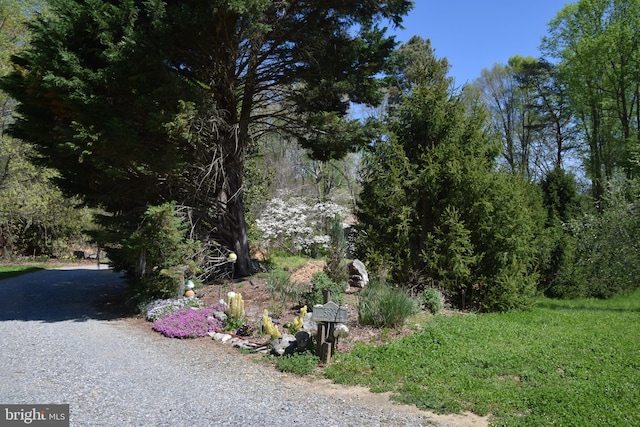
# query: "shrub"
[383,306]
[431,300]
[606,260]
[157,256]
[279,286]
[188,323]
[319,282]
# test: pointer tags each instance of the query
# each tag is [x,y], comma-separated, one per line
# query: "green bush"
[319,282]
[157,256]
[434,206]
[383,306]
[431,300]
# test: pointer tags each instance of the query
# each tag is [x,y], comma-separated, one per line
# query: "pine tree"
[433,204]
[141,103]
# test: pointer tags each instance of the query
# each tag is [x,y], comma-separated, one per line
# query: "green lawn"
[8,271]
[564,363]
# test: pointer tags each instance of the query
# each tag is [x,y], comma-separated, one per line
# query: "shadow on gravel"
[75,294]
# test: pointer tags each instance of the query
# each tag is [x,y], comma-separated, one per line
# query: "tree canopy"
[141,103]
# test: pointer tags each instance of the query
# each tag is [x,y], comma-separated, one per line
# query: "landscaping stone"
[220,315]
[358,276]
[308,324]
[286,344]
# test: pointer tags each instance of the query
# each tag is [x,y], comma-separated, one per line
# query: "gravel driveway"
[58,346]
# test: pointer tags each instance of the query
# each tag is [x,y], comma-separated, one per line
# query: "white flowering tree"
[292,224]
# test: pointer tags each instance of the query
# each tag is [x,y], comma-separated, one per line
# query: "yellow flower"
[269,327]
[298,322]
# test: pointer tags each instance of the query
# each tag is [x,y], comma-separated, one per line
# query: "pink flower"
[188,323]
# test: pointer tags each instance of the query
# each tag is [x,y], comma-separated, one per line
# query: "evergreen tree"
[141,103]
[434,174]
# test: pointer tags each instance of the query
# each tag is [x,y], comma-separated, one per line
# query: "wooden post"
[327,316]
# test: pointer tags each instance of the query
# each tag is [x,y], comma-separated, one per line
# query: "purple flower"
[188,323]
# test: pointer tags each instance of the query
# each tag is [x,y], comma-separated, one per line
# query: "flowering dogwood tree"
[297,226]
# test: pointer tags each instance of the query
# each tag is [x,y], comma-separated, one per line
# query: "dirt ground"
[257,298]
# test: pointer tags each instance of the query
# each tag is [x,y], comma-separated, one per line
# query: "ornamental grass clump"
[188,323]
[380,305]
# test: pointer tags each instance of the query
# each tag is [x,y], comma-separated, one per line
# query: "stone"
[217,336]
[245,345]
[358,276]
[220,315]
[286,344]
[340,331]
[308,324]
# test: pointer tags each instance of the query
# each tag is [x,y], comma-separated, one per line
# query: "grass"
[8,271]
[299,364]
[569,363]
[288,262]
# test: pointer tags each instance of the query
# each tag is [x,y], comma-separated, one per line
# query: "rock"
[286,344]
[308,324]
[217,336]
[245,345]
[340,331]
[220,315]
[358,276]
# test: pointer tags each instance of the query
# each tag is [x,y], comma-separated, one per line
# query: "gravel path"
[57,347]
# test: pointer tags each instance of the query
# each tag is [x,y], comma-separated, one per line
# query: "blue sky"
[475,34]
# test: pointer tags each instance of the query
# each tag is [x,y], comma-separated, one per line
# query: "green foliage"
[605,260]
[9,271]
[299,364]
[380,305]
[336,267]
[449,254]
[560,363]
[319,282]
[157,255]
[586,39]
[35,217]
[431,300]
[118,97]
[560,195]
[281,289]
[433,206]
